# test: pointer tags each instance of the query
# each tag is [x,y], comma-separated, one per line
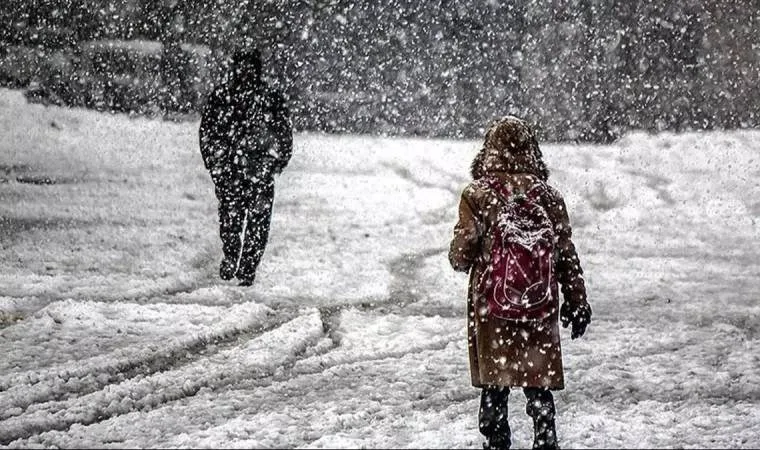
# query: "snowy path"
[117,333]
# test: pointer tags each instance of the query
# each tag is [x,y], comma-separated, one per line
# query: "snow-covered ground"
[116,331]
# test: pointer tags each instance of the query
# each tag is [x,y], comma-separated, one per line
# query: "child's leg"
[541,408]
[494,417]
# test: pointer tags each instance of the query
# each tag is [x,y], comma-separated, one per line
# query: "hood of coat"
[511,147]
[246,65]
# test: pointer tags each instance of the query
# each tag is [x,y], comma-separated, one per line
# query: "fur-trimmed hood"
[510,146]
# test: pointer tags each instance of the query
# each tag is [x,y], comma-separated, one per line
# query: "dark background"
[578,69]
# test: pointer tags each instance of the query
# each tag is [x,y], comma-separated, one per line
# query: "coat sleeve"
[283,131]
[465,245]
[214,142]
[568,265]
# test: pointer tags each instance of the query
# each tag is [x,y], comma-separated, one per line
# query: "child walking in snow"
[513,236]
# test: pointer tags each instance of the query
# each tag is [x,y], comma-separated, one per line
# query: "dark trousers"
[245,214]
[494,417]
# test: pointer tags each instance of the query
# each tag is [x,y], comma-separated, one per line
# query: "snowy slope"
[116,331]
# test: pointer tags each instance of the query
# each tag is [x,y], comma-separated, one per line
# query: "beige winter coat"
[506,353]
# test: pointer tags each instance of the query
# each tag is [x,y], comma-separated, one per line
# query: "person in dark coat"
[507,354]
[245,139]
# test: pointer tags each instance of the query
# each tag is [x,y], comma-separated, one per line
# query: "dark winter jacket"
[245,133]
[504,353]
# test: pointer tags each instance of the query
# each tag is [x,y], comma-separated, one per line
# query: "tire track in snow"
[289,371]
[260,357]
[84,380]
[405,285]
[44,411]
[405,276]
[18,391]
[406,174]
[305,376]
[316,364]
[28,396]
[404,292]
[145,390]
[404,270]
[657,183]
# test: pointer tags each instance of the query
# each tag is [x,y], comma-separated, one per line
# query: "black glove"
[580,317]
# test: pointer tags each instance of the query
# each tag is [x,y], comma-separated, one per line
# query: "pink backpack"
[519,283]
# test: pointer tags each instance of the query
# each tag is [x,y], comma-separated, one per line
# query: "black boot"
[494,418]
[497,444]
[246,272]
[227,269]
[540,407]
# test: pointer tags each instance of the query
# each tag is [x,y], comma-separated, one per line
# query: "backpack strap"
[536,190]
[498,188]
[504,194]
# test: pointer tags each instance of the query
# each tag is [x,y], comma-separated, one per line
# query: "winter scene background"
[116,331]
